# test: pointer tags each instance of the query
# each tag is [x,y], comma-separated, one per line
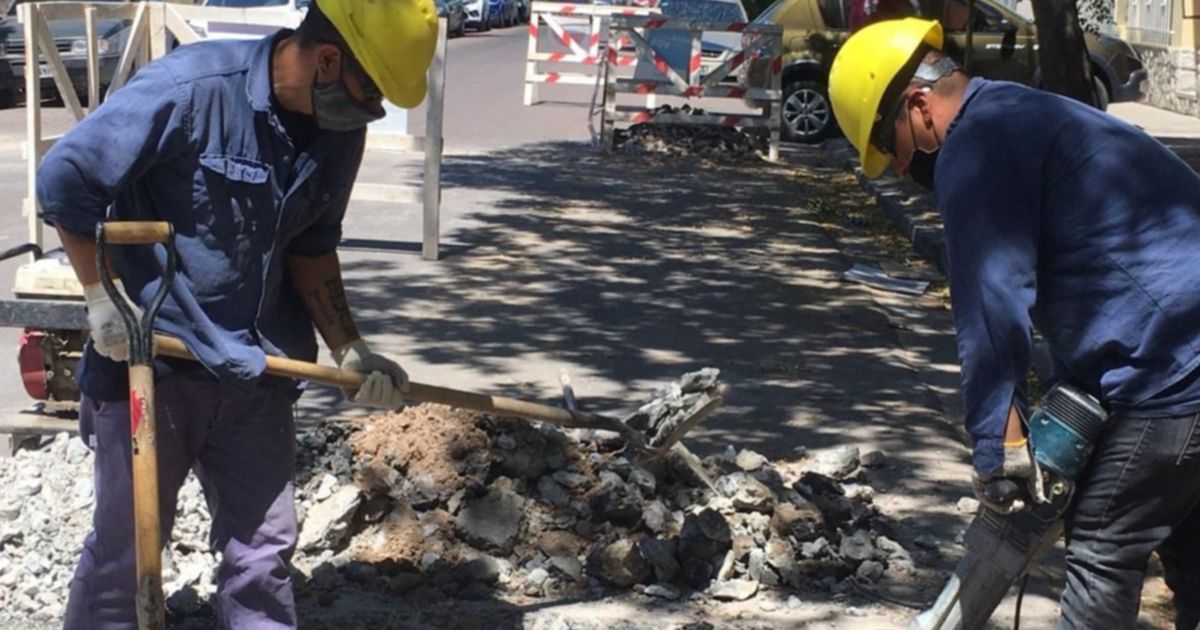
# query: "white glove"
[109,336]
[1017,485]
[386,380]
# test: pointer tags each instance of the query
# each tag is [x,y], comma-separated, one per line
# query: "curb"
[912,210]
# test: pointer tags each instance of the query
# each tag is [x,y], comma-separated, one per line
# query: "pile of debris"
[708,142]
[451,503]
[436,502]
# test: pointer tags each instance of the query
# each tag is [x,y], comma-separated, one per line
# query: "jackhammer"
[1063,431]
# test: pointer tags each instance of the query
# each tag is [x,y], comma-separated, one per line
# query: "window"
[1149,21]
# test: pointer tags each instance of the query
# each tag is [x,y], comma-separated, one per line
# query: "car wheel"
[1102,97]
[807,116]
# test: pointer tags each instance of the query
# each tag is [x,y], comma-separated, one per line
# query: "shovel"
[499,405]
[151,614]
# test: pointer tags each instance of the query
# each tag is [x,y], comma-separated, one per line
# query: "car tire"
[807,114]
[1102,96]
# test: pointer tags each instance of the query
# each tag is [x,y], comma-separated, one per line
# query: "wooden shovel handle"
[500,405]
[137,232]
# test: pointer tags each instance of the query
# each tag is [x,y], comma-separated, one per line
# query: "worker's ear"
[920,100]
[329,63]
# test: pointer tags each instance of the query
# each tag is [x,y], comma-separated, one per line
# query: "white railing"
[577,59]
[1149,22]
[761,91]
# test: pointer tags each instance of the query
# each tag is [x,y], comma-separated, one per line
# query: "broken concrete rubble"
[620,564]
[493,520]
[718,144]
[746,492]
[327,524]
[433,500]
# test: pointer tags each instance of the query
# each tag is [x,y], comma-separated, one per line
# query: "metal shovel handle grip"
[140,332]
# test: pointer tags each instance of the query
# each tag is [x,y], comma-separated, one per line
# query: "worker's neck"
[949,100]
[292,76]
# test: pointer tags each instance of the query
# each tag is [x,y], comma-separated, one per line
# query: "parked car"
[71,43]
[289,12]
[504,13]
[455,13]
[479,15]
[1004,47]
[524,8]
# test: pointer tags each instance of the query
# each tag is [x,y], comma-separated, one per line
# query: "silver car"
[479,16]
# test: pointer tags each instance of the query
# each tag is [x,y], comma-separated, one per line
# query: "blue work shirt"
[1065,218]
[194,140]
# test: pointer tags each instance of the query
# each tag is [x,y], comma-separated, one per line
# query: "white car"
[275,14]
[479,16]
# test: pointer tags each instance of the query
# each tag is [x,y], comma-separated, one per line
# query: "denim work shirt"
[194,140]
[1062,217]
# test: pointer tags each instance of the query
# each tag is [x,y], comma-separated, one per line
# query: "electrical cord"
[1020,598]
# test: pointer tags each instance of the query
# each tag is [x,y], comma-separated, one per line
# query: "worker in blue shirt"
[1062,218]
[249,149]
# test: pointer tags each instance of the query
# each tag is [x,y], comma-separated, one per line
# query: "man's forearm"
[318,280]
[81,251]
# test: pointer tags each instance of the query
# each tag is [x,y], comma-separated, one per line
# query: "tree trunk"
[1062,51]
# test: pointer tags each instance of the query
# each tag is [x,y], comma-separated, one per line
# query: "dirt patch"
[442,443]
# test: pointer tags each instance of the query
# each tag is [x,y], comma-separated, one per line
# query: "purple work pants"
[241,445]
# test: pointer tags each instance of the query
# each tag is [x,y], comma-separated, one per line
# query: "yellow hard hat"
[863,71]
[393,41]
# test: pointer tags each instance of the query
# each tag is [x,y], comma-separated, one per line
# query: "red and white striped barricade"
[576,31]
[760,96]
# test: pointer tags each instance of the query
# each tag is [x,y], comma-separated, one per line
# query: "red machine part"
[32,359]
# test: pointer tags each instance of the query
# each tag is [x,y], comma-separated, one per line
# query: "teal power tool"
[1064,430]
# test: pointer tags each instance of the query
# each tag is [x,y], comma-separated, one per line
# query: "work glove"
[1016,485]
[109,336]
[386,380]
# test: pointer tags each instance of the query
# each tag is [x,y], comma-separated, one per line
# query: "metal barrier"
[155,27]
[758,40]
[555,16]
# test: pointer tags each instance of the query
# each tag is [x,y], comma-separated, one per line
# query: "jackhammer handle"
[137,232]
[305,371]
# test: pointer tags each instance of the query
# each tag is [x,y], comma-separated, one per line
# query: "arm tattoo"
[340,308]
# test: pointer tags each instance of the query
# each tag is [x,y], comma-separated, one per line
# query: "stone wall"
[1172,78]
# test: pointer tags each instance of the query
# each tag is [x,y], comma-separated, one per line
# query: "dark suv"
[1004,47]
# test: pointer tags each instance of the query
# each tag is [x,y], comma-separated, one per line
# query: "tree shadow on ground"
[630,271]
[633,272]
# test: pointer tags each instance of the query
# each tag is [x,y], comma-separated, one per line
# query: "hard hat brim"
[873,161]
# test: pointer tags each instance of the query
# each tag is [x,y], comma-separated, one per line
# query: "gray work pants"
[241,444]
